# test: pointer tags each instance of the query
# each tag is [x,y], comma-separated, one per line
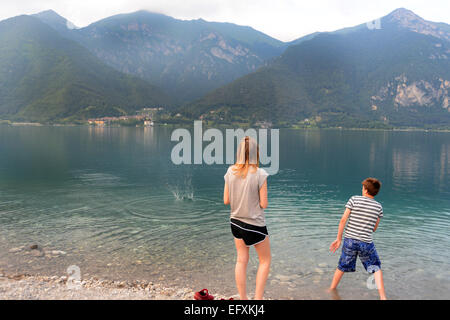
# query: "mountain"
[398,74]
[304,38]
[187,58]
[46,77]
[57,22]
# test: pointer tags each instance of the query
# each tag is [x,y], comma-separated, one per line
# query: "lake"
[113,201]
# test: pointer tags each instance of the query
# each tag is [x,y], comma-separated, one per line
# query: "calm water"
[112,199]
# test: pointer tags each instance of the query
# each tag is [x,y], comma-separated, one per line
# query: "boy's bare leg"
[336,279]
[334,293]
[380,284]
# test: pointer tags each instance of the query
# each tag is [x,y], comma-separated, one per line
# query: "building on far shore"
[101,122]
[97,122]
[145,115]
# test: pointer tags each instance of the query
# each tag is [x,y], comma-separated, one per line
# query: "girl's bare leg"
[263,250]
[241,267]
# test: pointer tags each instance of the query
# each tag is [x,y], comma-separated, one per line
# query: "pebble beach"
[24,286]
[33,287]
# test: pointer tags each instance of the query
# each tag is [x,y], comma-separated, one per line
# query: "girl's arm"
[263,202]
[226,195]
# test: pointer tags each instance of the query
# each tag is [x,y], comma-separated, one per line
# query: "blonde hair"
[247,157]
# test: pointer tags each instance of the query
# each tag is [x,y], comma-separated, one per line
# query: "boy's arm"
[337,243]
[376,225]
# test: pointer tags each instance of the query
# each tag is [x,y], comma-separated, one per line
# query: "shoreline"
[394,129]
[37,287]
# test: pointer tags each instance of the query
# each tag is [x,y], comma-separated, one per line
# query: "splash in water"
[183,190]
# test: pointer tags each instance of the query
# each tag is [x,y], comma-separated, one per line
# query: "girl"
[246,192]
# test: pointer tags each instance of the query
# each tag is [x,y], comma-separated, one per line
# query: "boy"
[363,214]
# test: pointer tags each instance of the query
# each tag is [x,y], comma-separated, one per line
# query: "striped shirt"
[364,214]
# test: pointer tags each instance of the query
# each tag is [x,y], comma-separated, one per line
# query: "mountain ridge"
[397,75]
[390,71]
[187,58]
[46,77]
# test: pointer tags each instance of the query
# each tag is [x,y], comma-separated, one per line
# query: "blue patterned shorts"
[367,253]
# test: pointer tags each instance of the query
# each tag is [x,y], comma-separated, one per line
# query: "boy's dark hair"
[372,186]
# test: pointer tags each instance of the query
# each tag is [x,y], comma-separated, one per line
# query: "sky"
[285,20]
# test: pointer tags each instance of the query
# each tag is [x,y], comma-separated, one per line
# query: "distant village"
[145,116]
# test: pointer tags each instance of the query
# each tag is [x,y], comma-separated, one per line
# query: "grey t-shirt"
[364,214]
[244,196]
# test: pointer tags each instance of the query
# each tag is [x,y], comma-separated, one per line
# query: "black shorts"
[249,233]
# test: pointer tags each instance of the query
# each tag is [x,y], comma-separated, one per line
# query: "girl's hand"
[335,245]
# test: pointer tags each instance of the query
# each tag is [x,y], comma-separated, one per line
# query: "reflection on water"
[406,168]
[444,166]
[112,200]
